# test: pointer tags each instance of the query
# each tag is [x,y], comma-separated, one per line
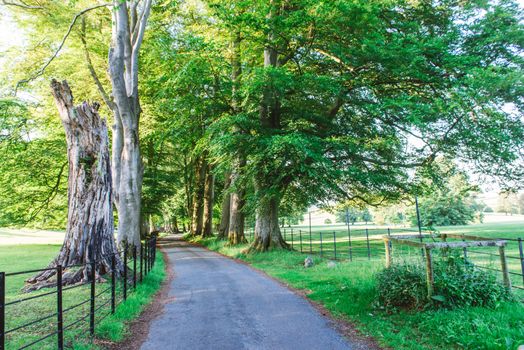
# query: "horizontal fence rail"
[139,265]
[355,243]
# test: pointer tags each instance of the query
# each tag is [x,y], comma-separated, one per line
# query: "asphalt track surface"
[216,303]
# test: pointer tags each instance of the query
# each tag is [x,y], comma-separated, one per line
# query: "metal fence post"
[310,243]
[465,250]
[291,238]
[521,251]
[113,283]
[141,261]
[59,313]
[92,304]
[125,272]
[153,248]
[349,241]
[134,266]
[321,244]
[300,235]
[367,242]
[2,310]
[309,224]
[146,257]
[335,244]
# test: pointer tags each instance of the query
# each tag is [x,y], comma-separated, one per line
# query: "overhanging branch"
[55,54]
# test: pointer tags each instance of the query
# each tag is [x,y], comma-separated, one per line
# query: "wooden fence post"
[504,265]
[429,272]
[388,252]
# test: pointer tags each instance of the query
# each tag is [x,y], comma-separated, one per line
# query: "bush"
[460,284]
[456,284]
[402,286]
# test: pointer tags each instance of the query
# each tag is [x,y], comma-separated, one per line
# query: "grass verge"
[111,328]
[348,290]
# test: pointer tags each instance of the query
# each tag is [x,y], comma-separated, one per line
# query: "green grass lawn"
[111,327]
[348,291]
[359,244]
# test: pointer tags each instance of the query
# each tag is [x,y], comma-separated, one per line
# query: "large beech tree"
[128,27]
[353,95]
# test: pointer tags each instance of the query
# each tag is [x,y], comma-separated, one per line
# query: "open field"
[10,236]
[20,257]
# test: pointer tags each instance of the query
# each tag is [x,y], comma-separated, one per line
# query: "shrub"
[460,284]
[456,284]
[402,286]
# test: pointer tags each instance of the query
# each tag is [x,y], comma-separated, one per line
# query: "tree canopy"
[280,104]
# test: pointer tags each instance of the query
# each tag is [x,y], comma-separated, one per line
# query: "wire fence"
[17,314]
[356,243]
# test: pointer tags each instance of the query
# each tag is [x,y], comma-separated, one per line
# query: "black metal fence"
[138,265]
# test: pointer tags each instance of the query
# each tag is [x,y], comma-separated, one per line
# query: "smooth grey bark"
[236,215]
[198,197]
[267,232]
[209,197]
[89,232]
[128,27]
[223,228]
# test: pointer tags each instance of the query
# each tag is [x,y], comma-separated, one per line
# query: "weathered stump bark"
[90,231]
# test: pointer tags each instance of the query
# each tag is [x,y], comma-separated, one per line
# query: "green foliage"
[402,286]
[456,284]
[444,210]
[450,199]
[33,169]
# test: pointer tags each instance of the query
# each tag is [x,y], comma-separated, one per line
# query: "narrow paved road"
[216,303]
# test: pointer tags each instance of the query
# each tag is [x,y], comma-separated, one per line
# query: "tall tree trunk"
[237,201]
[223,228]
[198,197]
[236,215]
[267,233]
[175,225]
[128,27]
[89,232]
[209,197]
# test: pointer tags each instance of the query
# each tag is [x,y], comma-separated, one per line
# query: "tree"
[128,27]
[507,203]
[521,203]
[89,233]
[450,199]
[366,215]
[348,215]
